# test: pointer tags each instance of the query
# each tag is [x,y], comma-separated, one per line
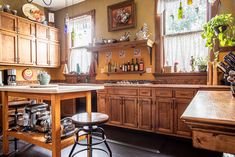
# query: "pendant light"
[189,2]
[46,2]
[180,11]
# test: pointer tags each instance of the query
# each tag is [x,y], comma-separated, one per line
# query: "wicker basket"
[71,78]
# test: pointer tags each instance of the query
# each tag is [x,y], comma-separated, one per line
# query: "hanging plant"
[220,27]
[73,34]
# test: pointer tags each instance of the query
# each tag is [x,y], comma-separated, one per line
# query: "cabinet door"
[145,114]
[42,52]
[8,47]
[180,127]
[26,50]
[54,34]
[164,115]
[54,59]
[8,22]
[130,111]
[68,107]
[115,110]
[42,31]
[26,27]
[101,103]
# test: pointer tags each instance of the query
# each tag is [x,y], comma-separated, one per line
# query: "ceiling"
[57,4]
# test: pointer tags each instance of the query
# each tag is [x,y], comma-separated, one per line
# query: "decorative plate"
[27,74]
[33,13]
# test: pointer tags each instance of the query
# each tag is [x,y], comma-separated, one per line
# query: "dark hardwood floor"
[128,143]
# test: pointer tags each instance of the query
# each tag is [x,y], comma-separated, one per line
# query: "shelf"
[181,74]
[122,45]
[39,140]
[129,72]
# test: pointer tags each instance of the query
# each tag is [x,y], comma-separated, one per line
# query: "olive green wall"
[145,14]
[17,5]
[228,6]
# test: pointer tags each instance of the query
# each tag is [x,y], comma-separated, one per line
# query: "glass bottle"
[132,65]
[141,65]
[136,65]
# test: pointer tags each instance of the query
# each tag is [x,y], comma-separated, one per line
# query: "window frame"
[212,10]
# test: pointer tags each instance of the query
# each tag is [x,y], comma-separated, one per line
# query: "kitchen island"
[55,95]
[211,116]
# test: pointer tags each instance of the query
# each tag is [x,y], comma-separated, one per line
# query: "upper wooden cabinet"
[8,47]
[54,54]
[8,22]
[26,27]
[26,50]
[42,52]
[54,34]
[42,31]
[28,42]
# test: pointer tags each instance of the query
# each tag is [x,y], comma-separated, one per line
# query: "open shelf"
[128,72]
[39,140]
[122,45]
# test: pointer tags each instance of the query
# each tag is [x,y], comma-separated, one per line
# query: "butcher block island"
[211,116]
[55,95]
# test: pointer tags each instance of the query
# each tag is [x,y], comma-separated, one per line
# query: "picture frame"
[121,15]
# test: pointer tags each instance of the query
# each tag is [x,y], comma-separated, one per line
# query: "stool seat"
[89,119]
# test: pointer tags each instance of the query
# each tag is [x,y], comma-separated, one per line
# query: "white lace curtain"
[180,48]
[79,57]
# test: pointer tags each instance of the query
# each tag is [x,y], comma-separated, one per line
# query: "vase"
[43,78]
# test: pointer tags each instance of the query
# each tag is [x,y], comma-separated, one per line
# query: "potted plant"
[220,27]
[201,63]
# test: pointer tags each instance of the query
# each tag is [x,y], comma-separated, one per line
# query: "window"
[81,32]
[182,37]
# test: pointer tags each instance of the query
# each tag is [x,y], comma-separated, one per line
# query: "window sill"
[180,74]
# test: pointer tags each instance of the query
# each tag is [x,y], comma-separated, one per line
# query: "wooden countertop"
[216,107]
[59,89]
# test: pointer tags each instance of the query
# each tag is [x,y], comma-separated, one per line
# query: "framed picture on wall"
[121,15]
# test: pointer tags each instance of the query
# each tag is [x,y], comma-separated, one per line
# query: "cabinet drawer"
[124,91]
[214,141]
[145,92]
[184,93]
[164,93]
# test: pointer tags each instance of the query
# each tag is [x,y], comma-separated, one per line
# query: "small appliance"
[10,77]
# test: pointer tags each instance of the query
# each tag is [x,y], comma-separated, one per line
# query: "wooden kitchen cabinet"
[26,27]
[42,52]
[164,115]
[145,113]
[42,31]
[8,47]
[102,103]
[54,34]
[180,127]
[26,50]
[115,110]
[130,111]
[54,54]
[8,22]
[68,107]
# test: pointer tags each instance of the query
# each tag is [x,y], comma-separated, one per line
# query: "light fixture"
[44,1]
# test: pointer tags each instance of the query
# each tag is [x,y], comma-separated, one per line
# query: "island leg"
[55,112]
[89,110]
[5,122]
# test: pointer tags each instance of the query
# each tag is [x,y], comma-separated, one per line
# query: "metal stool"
[90,126]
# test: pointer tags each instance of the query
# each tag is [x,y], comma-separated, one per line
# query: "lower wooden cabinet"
[145,114]
[179,126]
[164,115]
[115,110]
[102,103]
[130,111]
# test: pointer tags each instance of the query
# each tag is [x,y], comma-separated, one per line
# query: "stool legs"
[105,142]
[89,142]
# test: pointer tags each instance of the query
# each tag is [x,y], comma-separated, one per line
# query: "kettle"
[43,78]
